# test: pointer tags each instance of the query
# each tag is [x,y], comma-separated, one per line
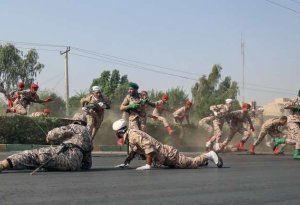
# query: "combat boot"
[251,149]
[222,148]
[241,146]
[169,130]
[276,151]
[296,154]
[214,157]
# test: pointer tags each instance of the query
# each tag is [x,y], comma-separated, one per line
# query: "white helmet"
[228,101]
[119,125]
[96,88]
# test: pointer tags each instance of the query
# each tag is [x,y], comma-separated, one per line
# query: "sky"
[184,39]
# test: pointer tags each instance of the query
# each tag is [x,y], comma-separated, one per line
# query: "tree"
[209,91]
[15,67]
[74,102]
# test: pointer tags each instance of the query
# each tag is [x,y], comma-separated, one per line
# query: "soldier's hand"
[85,109]
[49,99]
[133,106]
[124,165]
[145,167]
[102,105]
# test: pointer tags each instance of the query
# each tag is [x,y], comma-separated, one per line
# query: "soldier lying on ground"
[157,154]
[74,150]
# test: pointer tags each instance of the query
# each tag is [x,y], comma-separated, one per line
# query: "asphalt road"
[245,179]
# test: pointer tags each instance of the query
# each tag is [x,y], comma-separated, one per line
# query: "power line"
[282,6]
[295,1]
[34,44]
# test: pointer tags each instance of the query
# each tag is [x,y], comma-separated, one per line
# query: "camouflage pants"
[134,122]
[262,135]
[217,125]
[293,135]
[94,122]
[20,109]
[185,162]
[69,160]
[143,121]
[237,128]
[205,125]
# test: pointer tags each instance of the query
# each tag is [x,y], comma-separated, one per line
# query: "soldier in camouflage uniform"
[94,106]
[238,119]
[273,128]
[182,113]
[144,105]
[133,104]
[293,125]
[25,98]
[74,150]
[13,95]
[161,106]
[207,123]
[219,112]
[45,113]
[157,154]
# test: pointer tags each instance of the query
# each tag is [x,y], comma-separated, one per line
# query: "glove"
[124,165]
[297,107]
[133,106]
[252,128]
[49,99]
[102,105]
[85,109]
[145,167]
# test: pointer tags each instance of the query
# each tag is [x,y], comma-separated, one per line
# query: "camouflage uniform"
[160,106]
[39,114]
[220,111]
[293,132]
[134,119]
[76,155]
[238,119]
[163,155]
[21,103]
[94,116]
[206,123]
[271,127]
[180,114]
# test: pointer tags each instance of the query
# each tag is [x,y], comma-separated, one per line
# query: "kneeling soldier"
[156,153]
[73,153]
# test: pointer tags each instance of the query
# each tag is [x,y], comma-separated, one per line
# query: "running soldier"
[207,123]
[220,113]
[13,95]
[94,105]
[238,119]
[161,106]
[73,153]
[182,113]
[45,113]
[273,128]
[25,97]
[157,154]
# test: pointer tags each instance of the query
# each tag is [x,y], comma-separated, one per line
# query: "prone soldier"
[157,154]
[72,154]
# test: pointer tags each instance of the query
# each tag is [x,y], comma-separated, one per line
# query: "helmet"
[188,103]
[46,110]
[79,117]
[119,125]
[34,86]
[246,105]
[21,85]
[228,101]
[96,88]
[164,97]
[133,85]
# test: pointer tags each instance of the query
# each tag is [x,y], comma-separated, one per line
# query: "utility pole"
[243,64]
[66,79]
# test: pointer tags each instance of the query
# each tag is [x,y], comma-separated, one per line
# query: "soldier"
[156,153]
[207,123]
[73,153]
[220,112]
[144,105]
[45,113]
[238,119]
[182,113]
[132,104]
[161,106]
[25,98]
[94,105]
[273,128]
[13,95]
